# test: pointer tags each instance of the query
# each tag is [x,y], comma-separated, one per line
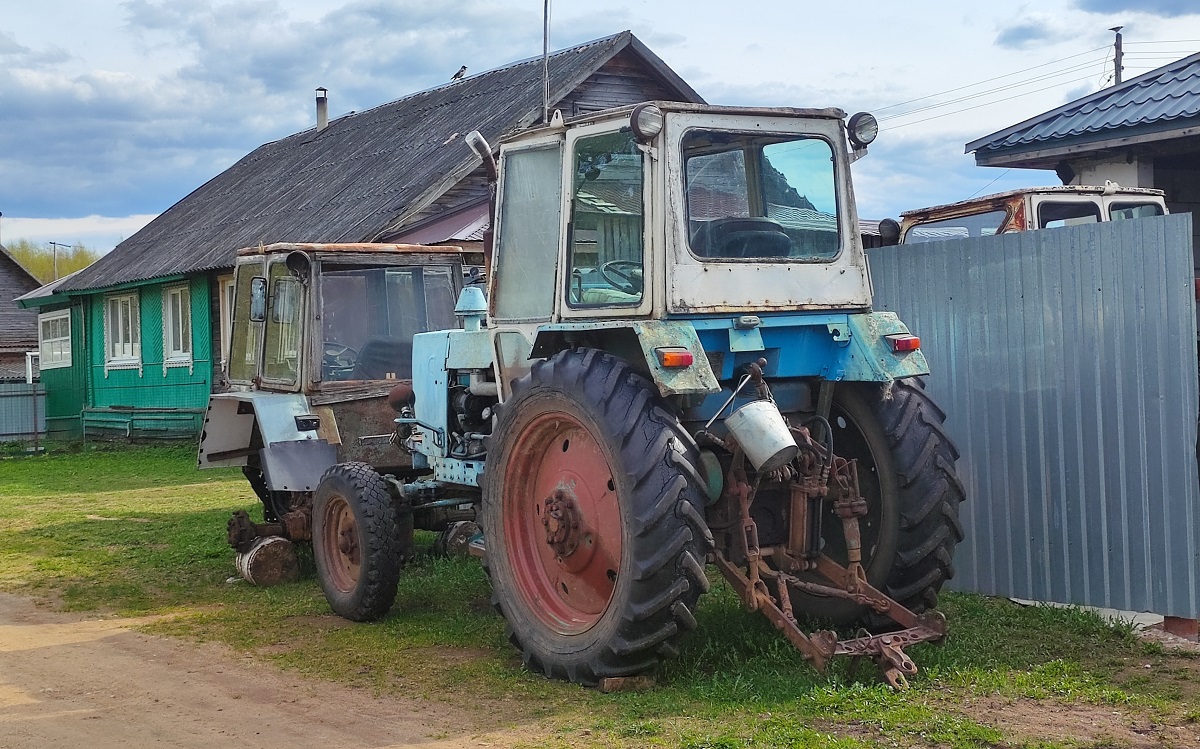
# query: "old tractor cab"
[322,333]
[676,362]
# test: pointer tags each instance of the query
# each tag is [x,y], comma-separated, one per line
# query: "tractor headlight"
[646,121]
[862,129]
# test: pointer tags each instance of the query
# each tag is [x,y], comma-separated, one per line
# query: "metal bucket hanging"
[763,435]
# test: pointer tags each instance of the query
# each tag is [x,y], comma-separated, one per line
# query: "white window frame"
[182,356]
[54,352]
[225,286]
[120,353]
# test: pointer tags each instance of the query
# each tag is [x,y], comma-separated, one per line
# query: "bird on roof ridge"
[461,72]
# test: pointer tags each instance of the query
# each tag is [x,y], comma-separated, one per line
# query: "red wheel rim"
[339,542]
[558,463]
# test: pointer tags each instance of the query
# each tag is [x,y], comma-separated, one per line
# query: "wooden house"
[148,323]
[18,327]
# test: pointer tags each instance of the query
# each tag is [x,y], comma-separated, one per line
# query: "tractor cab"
[321,334]
[309,317]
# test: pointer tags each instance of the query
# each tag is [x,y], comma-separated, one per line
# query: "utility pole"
[546,64]
[1118,56]
[54,248]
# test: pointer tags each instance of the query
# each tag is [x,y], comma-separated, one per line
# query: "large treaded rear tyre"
[357,542]
[930,492]
[906,474]
[586,437]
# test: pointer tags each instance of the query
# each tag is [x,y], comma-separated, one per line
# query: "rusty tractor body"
[1028,209]
[322,334]
[676,363]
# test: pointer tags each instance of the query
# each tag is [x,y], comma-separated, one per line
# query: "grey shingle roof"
[355,179]
[1153,101]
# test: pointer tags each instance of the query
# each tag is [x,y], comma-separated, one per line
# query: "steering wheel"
[624,275]
[337,360]
[741,237]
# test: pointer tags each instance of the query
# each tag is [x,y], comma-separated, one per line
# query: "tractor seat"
[381,356]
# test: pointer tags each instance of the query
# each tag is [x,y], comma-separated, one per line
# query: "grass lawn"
[139,531]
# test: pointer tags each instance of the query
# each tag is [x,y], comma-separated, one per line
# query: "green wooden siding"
[65,386]
[155,399]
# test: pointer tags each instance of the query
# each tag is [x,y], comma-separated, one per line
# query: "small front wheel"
[357,542]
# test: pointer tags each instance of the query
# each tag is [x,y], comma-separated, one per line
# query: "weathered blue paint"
[431,388]
[838,346]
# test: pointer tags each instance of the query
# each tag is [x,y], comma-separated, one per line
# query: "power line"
[998,89]
[1006,171]
[989,80]
[987,103]
[1168,41]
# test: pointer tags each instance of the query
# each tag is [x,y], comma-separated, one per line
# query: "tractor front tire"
[592,515]
[357,542]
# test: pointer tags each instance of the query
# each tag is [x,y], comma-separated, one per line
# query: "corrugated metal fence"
[22,411]
[1066,362]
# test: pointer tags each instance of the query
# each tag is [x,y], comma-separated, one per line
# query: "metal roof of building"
[357,179]
[1156,100]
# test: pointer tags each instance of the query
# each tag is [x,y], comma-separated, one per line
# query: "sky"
[111,111]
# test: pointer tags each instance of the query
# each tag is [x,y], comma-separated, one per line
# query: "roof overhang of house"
[1160,105]
[1047,154]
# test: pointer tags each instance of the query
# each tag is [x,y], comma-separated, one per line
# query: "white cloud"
[181,89]
[100,233]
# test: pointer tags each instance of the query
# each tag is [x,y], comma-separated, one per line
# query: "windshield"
[973,225]
[370,316]
[764,197]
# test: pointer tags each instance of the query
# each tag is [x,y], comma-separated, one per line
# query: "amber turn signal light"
[674,357]
[903,342]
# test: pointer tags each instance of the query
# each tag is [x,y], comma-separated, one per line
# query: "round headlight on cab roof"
[646,121]
[862,129]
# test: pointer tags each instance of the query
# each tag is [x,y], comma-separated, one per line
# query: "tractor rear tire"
[906,474]
[357,542]
[592,515]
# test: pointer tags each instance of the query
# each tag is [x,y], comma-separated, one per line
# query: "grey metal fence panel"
[22,411]
[1066,362]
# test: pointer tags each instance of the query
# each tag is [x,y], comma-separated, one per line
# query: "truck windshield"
[370,315]
[760,197]
[973,225]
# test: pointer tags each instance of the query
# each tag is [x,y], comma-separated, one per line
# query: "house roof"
[1158,103]
[18,327]
[362,177]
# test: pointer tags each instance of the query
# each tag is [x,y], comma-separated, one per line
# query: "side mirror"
[299,265]
[889,232]
[258,299]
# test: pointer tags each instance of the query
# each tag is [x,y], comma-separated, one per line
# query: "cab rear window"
[1123,211]
[1052,215]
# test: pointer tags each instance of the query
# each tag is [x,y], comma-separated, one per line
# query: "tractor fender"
[279,428]
[866,354]
[637,342]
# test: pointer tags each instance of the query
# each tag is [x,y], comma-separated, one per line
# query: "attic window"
[580,108]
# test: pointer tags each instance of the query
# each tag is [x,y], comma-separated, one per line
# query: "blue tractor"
[675,364]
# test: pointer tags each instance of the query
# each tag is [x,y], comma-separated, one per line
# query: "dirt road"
[70,681]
